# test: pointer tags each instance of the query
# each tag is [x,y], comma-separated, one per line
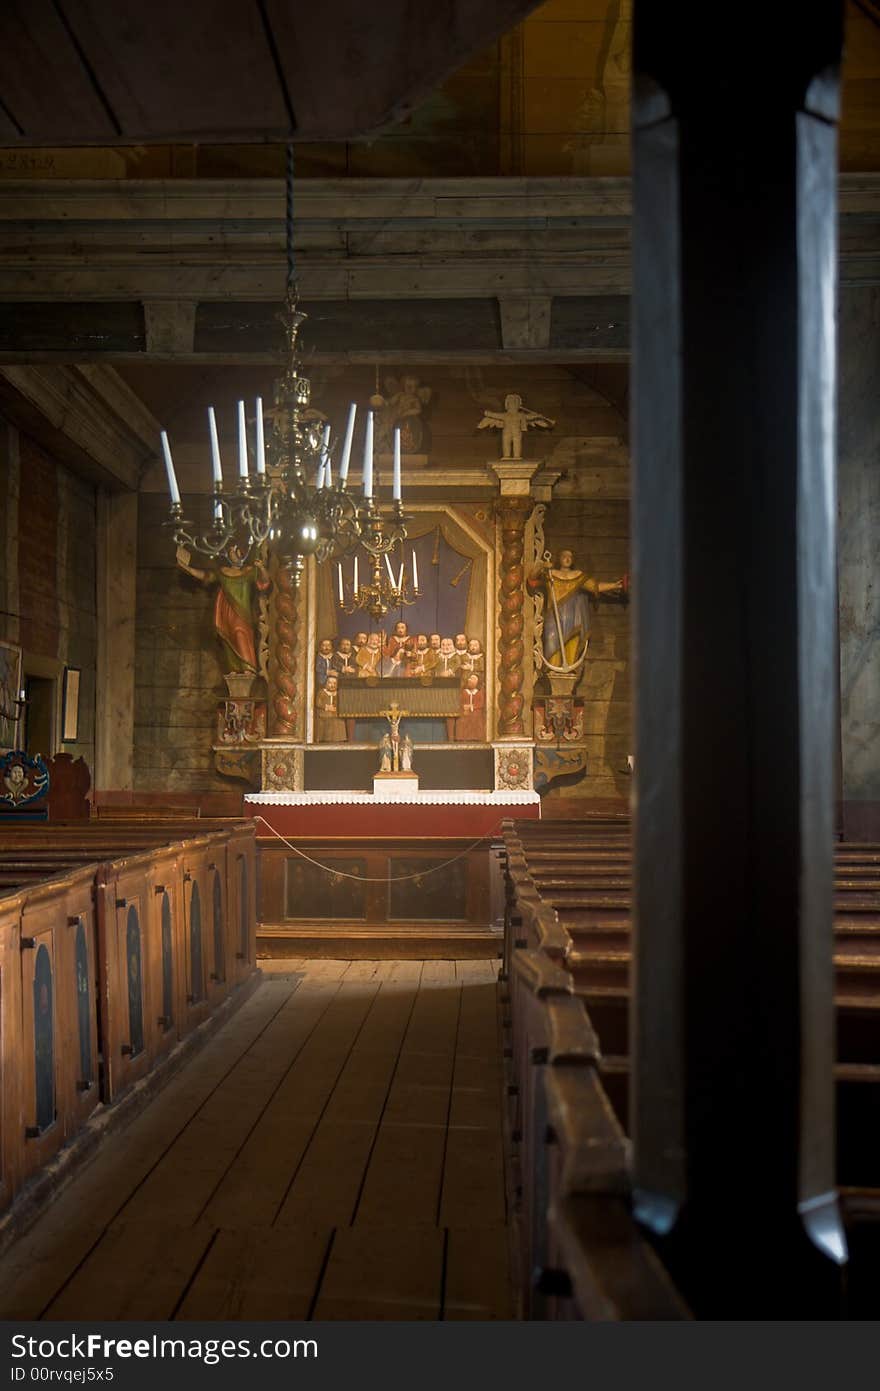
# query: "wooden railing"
[113,949]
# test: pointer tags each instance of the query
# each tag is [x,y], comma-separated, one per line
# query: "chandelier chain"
[288,224]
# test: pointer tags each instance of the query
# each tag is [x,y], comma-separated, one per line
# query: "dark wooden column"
[734,290]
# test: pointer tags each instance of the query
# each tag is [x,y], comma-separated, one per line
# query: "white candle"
[395,484]
[341,592]
[216,467]
[390,571]
[368,456]
[242,442]
[218,511]
[328,472]
[355,576]
[415,565]
[169,469]
[400,577]
[319,476]
[261,438]
[346,445]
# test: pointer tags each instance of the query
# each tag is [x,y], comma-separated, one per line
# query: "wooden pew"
[568,909]
[580,1255]
[112,950]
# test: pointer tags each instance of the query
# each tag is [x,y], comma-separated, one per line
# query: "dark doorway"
[40,715]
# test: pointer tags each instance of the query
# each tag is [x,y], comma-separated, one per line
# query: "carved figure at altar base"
[394,650]
[386,753]
[329,728]
[343,658]
[471,723]
[406,754]
[475,660]
[369,657]
[234,619]
[401,408]
[393,715]
[323,661]
[513,422]
[568,592]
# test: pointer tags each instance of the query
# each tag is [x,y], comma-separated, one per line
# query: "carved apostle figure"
[343,658]
[330,728]
[323,661]
[567,609]
[234,618]
[369,658]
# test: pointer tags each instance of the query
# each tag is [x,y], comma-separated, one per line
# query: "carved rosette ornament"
[282,770]
[513,768]
[513,512]
[282,665]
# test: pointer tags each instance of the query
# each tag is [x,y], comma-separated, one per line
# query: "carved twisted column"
[283,676]
[513,513]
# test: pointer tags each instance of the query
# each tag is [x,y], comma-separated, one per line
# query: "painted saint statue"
[234,604]
[567,609]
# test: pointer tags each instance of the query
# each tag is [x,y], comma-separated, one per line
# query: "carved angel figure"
[401,407]
[513,421]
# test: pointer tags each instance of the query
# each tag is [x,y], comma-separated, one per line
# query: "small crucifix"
[393,715]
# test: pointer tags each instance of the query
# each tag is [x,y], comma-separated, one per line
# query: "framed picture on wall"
[10,687]
[70,706]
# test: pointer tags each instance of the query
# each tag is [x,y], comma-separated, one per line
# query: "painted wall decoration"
[314,892]
[420,892]
[23,780]
[241,722]
[557,768]
[558,719]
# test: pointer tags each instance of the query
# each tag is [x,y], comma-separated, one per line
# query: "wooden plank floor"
[334,1152]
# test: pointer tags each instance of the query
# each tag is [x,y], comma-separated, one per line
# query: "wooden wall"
[551,98]
[47,570]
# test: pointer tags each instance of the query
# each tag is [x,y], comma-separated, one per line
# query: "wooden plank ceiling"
[75,72]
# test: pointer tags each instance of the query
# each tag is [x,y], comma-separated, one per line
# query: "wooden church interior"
[519,962]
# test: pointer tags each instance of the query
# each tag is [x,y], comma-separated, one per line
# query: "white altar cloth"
[450,798]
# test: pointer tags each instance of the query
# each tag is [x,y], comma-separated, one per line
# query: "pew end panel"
[79,967]
[167,965]
[47,1033]
[128,993]
[12,1054]
[197,898]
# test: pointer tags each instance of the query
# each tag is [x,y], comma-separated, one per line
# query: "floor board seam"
[369,1159]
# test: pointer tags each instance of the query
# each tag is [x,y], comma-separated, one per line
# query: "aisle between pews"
[334,1152]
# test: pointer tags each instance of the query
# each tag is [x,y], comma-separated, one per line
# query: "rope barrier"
[386,879]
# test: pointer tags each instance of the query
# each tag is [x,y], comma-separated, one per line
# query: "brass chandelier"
[289,497]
